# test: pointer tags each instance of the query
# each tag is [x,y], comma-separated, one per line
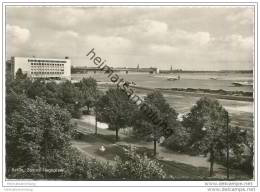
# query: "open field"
[187,80]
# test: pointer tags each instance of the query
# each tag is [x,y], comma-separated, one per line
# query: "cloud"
[152,32]
[182,37]
[16,39]
[108,44]
[58,44]
[162,49]
[234,42]
[67,33]
[238,41]
[185,37]
[16,34]
[143,30]
[149,27]
[64,18]
[244,16]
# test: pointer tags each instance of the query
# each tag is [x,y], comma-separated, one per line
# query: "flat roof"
[42,58]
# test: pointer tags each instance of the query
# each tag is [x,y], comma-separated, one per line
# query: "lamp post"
[95,121]
[227,119]
[154,141]
[204,129]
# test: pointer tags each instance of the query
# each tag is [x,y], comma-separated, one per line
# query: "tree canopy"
[20,75]
[207,124]
[38,135]
[115,109]
[144,125]
[89,92]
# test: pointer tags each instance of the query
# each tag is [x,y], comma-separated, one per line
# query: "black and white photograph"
[122,92]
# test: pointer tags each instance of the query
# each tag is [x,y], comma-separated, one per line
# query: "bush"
[138,167]
[178,141]
[80,168]
[131,167]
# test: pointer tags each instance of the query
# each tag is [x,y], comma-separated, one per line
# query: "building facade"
[42,67]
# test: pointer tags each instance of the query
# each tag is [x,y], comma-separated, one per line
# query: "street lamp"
[204,129]
[227,119]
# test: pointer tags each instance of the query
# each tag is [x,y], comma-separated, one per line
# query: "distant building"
[42,67]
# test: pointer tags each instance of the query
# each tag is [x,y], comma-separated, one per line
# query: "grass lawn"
[182,171]
[92,138]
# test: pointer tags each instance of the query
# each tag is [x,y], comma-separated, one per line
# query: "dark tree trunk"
[88,109]
[154,147]
[45,156]
[96,124]
[212,159]
[211,168]
[117,138]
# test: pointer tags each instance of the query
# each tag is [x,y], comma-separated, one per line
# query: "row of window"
[48,70]
[48,64]
[54,61]
[46,73]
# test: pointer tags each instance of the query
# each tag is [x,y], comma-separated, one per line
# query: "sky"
[188,38]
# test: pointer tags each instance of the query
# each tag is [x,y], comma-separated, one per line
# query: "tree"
[146,126]
[20,75]
[71,97]
[248,141]
[52,94]
[37,89]
[207,125]
[14,87]
[88,87]
[115,109]
[242,148]
[97,114]
[37,136]
[65,95]
[19,86]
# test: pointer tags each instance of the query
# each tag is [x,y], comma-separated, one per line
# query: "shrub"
[131,167]
[138,167]
[178,141]
[80,168]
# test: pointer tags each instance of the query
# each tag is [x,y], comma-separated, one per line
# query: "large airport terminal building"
[47,68]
